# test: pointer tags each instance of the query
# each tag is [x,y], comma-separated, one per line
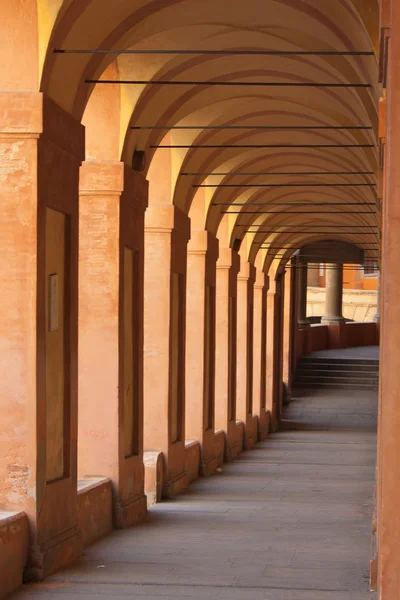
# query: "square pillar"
[113,199]
[167,231]
[245,351]
[228,266]
[260,354]
[200,346]
[274,362]
[41,149]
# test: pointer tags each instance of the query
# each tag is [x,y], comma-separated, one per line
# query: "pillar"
[334,294]
[313,278]
[200,345]
[260,353]
[388,514]
[245,353]
[41,149]
[274,325]
[302,295]
[167,231]
[110,431]
[288,337]
[228,266]
[377,316]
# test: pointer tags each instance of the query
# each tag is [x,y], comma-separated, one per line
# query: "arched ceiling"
[257,25]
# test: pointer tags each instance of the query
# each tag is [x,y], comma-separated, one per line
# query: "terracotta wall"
[328,337]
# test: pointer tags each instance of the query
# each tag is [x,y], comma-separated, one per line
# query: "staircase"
[337,373]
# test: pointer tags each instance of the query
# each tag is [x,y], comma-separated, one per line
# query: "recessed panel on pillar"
[232,357]
[209,366]
[57,327]
[130,358]
[176,336]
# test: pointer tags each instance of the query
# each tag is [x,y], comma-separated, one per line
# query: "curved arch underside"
[234,164]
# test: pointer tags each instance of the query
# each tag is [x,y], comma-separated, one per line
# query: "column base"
[332,320]
[175,486]
[130,512]
[304,324]
[50,556]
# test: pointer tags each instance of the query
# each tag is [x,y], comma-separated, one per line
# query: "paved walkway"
[289,520]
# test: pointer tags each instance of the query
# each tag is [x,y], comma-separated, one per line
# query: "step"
[338,367]
[335,386]
[337,380]
[335,373]
[337,361]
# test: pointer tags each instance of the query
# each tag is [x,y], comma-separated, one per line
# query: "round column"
[334,294]
[302,295]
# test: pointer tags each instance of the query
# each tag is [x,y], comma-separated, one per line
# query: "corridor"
[289,520]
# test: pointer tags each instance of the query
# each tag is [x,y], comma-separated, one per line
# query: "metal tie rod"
[307,204]
[313,232]
[218,52]
[295,84]
[298,212]
[246,127]
[269,174]
[312,226]
[196,146]
[279,185]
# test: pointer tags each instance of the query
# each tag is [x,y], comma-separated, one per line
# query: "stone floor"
[289,520]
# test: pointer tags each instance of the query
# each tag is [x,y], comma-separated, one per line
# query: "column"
[302,294]
[260,353]
[334,294]
[274,325]
[200,346]
[288,337]
[388,522]
[110,430]
[244,373]
[313,278]
[41,149]
[167,231]
[228,266]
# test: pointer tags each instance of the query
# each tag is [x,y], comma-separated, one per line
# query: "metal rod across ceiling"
[294,84]
[248,146]
[217,52]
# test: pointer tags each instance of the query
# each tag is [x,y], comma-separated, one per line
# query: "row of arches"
[161,161]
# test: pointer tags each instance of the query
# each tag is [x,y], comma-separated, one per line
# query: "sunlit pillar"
[167,231]
[245,353]
[260,353]
[274,349]
[200,345]
[41,149]
[334,294]
[110,429]
[228,266]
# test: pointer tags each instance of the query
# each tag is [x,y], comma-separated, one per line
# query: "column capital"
[261,281]
[203,242]
[99,176]
[165,218]
[228,258]
[247,272]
